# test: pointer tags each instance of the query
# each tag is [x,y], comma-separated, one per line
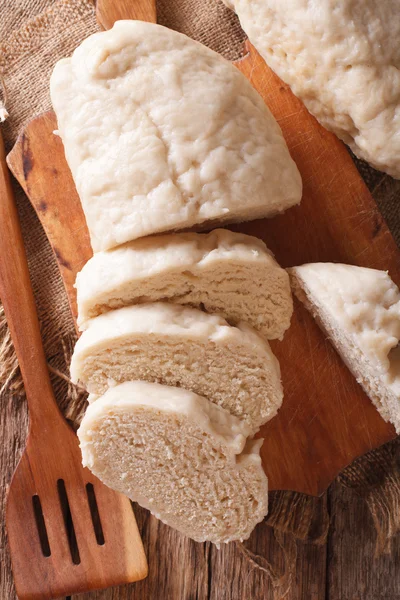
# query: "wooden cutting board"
[326,419]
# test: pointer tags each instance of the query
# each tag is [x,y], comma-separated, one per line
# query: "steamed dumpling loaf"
[233,367]
[161,133]
[343,60]
[178,455]
[222,272]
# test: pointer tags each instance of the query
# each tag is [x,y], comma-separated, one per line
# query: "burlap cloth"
[34,34]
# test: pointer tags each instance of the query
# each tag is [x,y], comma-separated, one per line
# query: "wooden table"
[344,568]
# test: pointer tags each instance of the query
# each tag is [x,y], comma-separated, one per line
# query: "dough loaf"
[233,367]
[161,133]
[343,60]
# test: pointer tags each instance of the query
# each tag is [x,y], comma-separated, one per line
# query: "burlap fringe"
[384,504]
[10,376]
[73,403]
[305,517]
[281,584]
[376,478]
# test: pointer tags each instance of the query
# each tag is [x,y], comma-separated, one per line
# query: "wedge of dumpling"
[343,60]
[161,133]
[178,455]
[359,309]
[222,272]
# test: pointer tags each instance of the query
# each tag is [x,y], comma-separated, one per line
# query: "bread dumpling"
[343,60]
[359,309]
[162,133]
[178,455]
[222,272]
[233,367]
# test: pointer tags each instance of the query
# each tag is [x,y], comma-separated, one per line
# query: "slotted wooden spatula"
[67,532]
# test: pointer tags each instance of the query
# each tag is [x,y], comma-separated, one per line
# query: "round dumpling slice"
[233,367]
[178,455]
[223,272]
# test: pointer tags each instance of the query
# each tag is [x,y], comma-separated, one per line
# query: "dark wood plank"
[310,575]
[13,426]
[301,565]
[183,570]
[354,571]
[178,567]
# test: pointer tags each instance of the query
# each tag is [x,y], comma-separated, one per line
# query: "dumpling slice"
[233,367]
[178,455]
[222,272]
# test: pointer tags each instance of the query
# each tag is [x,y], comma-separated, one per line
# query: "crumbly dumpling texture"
[161,133]
[233,367]
[343,60]
[179,456]
[359,308]
[223,272]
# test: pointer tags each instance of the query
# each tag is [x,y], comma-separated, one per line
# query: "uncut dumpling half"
[162,133]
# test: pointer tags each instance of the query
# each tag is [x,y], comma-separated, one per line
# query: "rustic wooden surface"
[342,569]
[345,568]
[326,419]
[205,573]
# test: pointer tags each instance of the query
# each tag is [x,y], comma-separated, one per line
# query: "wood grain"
[52,454]
[326,419]
[108,12]
[325,411]
[184,570]
[120,559]
[44,180]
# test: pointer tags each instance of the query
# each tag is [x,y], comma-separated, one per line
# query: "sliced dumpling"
[343,60]
[162,133]
[359,309]
[178,455]
[223,272]
[178,346]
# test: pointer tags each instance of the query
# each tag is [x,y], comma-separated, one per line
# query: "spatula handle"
[19,305]
[141,10]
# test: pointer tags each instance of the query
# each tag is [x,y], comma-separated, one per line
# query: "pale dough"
[343,60]
[161,133]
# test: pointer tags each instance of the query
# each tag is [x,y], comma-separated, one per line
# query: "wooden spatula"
[67,532]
